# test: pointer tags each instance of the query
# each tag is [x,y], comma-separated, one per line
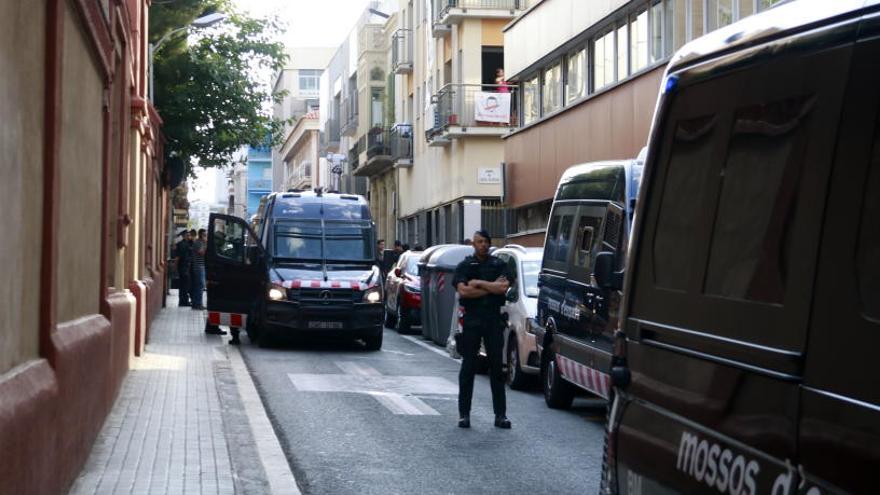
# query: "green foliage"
[209,91]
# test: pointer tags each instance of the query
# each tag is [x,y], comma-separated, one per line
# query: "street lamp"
[202,22]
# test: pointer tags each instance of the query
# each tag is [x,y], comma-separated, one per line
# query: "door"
[839,433]
[235,270]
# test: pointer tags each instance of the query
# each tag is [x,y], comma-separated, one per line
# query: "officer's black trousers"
[492,336]
[183,288]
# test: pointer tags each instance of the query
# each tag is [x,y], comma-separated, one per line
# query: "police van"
[751,317]
[306,265]
[589,226]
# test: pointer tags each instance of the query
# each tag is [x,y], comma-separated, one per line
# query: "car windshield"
[530,271]
[412,265]
[342,241]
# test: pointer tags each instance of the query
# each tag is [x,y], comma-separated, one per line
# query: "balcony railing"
[452,11]
[378,142]
[375,152]
[402,51]
[474,109]
[402,145]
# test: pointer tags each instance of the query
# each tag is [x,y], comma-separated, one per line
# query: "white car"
[520,348]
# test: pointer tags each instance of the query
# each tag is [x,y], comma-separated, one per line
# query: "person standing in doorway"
[200,244]
[183,263]
[481,281]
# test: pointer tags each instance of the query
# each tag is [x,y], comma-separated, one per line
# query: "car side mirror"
[511,294]
[604,272]
[397,272]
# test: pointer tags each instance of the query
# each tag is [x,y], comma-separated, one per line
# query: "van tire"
[558,393]
[515,376]
[374,342]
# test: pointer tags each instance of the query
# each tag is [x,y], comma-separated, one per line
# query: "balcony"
[402,51]
[462,110]
[375,152]
[449,12]
[330,136]
[402,145]
[349,122]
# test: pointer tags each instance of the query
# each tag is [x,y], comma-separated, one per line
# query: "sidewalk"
[185,405]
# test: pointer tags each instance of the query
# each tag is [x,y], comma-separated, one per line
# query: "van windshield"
[341,241]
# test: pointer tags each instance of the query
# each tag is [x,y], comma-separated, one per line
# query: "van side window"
[674,248]
[564,244]
[749,251]
[868,251]
[550,243]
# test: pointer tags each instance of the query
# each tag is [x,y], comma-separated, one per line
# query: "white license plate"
[325,324]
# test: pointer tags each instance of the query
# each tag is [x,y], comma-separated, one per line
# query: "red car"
[403,293]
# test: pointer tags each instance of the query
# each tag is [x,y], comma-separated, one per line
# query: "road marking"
[395,393]
[281,479]
[429,347]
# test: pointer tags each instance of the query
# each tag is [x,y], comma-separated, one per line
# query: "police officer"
[183,258]
[481,281]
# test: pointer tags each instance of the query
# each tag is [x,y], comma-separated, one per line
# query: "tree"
[209,91]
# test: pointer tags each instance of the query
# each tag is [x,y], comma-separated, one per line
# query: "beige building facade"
[300,156]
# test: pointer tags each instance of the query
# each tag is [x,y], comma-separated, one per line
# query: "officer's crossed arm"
[469,290]
[498,287]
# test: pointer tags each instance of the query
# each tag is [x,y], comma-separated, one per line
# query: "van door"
[839,434]
[235,271]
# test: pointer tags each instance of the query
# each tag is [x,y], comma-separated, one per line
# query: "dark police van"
[305,266]
[751,317]
[591,214]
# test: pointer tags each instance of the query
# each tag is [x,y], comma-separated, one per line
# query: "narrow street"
[358,422]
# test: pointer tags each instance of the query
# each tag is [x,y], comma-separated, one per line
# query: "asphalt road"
[357,422]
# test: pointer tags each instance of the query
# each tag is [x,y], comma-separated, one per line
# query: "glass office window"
[746,8]
[656,21]
[530,100]
[622,52]
[638,41]
[576,83]
[696,19]
[603,60]
[719,13]
[674,18]
[552,89]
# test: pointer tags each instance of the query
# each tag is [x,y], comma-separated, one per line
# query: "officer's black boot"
[502,422]
[234,340]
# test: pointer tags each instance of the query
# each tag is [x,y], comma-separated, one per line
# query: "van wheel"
[253,331]
[403,323]
[374,342]
[515,376]
[558,393]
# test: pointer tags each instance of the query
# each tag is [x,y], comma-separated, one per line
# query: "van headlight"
[373,295]
[277,293]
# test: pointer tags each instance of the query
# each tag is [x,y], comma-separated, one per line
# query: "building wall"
[22,55]
[79,236]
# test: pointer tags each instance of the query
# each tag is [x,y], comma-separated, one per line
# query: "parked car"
[520,349]
[403,293]
[591,213]
[310,269]
[751,320]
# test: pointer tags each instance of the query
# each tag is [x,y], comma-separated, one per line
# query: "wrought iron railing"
[402,51]
[377,142]
[475,105]
[401,142]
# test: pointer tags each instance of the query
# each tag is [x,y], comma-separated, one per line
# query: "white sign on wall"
[489,175]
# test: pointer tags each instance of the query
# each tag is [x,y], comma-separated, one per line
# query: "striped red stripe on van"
[585,377]
[325,284]
[234,320]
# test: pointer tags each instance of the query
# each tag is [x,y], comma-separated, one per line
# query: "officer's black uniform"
[184,255]
[482,320]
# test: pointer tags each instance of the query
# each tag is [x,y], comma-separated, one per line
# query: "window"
[696,19]
[622,53]
[530,100]
[766,4]
[309,80]
[603,60]
[376,107]
[587,235]
[552,90]
[674,21]
[867,260]
[749,253]
[657,45]
[550,242]
[719,13]
[638,33]
[687,174]
[563,245]
[576,83]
